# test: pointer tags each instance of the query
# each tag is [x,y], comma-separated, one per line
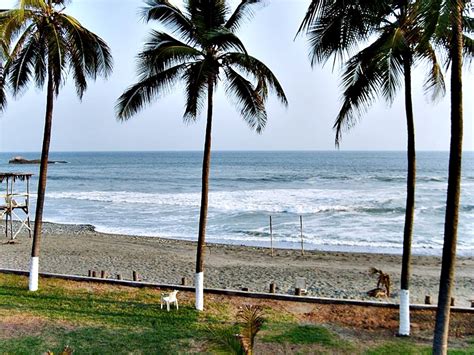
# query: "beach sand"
[75,249]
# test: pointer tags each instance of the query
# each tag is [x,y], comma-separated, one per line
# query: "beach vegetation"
[405,347]
[43,44]
[106,319]
[304,334]
[201,49]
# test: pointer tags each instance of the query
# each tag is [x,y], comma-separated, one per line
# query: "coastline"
[75,249]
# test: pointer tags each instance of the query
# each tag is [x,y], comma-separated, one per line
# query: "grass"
[104,319]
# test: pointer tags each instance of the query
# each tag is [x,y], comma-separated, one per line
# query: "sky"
[313,94]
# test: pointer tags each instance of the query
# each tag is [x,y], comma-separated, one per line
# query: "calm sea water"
[348,200]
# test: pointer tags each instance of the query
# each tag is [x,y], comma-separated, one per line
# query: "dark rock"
[21,160]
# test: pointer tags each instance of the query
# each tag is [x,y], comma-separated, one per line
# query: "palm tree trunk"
[404,329]
[440,339]
[206,166]
[34,265]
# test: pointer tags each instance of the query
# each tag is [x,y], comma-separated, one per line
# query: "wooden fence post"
[271,235]
[301,230]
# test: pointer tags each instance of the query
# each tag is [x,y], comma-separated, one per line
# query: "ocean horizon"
[348,200]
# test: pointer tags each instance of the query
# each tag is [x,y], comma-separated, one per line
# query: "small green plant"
[240,338]
[252,320]
[227,339]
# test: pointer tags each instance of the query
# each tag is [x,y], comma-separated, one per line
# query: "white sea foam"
[275,201]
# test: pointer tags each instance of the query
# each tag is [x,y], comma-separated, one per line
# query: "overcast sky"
[313,94]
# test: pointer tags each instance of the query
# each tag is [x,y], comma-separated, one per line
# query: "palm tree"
[46,43]
[203,50]
[442,16]
[336,28]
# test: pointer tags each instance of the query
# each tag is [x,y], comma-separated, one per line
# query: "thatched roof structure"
[15,176]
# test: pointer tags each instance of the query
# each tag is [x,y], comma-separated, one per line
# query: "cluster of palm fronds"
[240,338]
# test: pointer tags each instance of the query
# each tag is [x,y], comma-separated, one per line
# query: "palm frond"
[57,51]
[39,5]
[88,54]
[169,15]
[334,28]
[249,101]
[163,51]
[252,318]
[13,23]
[207,15]
[21,66]
[3,94]
[389,51]
[468,48]
[313,12]
[226,340]
[252,66]
[196,78]
[40,69]
[224,40]
[145,91]
[434,82]
[242,12]
[362,81]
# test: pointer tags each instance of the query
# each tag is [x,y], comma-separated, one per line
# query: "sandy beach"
[75,249]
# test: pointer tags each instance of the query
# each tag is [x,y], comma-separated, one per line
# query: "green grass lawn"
[101,319]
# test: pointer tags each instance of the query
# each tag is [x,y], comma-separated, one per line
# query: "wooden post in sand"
[452,302]
[183,281]
[301,230]
[272,287]
[134,276]
[119,277]
[103,274]
[271,235]
[94,274]
[89,274]
[427,299]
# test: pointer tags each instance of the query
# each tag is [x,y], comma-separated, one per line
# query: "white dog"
[168,299]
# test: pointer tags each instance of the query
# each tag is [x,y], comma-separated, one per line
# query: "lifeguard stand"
[14,204]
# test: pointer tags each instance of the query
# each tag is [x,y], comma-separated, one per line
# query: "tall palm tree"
[201,49]
[335,29]
[446,17]
[45,44]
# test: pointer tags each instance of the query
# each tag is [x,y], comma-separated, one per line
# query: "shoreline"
[336,248]
[75,249]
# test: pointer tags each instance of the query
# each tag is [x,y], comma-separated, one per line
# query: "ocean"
[348,201]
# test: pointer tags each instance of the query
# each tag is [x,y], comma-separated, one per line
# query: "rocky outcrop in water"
[21,160]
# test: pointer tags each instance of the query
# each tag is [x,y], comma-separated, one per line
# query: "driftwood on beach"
[21,160]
